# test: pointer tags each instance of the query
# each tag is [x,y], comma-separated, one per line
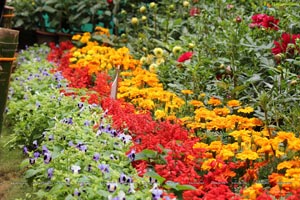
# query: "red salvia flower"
[185,56]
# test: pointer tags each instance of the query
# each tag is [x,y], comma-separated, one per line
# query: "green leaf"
[185,187]
[146,154]
[32,172]
[156,176]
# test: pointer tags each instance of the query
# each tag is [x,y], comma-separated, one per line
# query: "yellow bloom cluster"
[100,57]
[142,88]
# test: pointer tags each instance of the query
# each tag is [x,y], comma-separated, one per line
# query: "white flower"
[75,169]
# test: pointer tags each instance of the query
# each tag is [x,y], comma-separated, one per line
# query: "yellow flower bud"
[134,21]
[176,49]
[191,45]
[143,9]
[152,5]
[144,18]
[186,4]
[158,52]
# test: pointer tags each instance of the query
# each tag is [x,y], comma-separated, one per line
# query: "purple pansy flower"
[47,157]
[104,167]
[35,144]
[76,192]
[36,154]
[157,194]
[25,150]
[96,156]
[131,155]
[50,172]
[111,187]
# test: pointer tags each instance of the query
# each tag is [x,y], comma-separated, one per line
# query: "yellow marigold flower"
[186,91]
[252,192]
[200,145]
[221,111]
[247,154]
[85,39]
[294,144]
[214,101]
[76,37]
[287,164]
[285,136]
[76,54]
[72,60]
[293,172]
[158,52]
[207,165]
[160,114]
[195,125]
[246,110]
[226,154]
[176,49]
[215,146]
[190,157]
[233,103]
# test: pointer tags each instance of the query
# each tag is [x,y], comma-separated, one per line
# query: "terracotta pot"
[7,17]
[43,37]
[8,46]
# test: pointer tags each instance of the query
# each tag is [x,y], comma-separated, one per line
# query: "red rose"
[185,56]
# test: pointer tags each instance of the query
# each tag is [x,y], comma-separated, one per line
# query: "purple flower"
[47,157]
[35,144]
[131,155]
[76,192]
[36,154]
[125,138]
[80,105]
[99,132]
[45,149]
[104,167]
[25,150]
[38,104]
[157,194]
[50,173]
[83,148]
[31,161]
[71,143]
[96,156]
[111,187]
[87,123]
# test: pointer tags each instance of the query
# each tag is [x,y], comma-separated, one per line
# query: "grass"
[12,183]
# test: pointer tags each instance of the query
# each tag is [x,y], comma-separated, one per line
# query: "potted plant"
[43,13]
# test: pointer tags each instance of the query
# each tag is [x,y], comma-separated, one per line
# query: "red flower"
[185,56]
[263,20]
[109,1]
[194,11]
[282,45]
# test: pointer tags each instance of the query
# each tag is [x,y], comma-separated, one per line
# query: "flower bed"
[184,138]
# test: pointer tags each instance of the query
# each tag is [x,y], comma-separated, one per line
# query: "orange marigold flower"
[221,111]
[233,103]
[196,103]
[186,91]
[214,101]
